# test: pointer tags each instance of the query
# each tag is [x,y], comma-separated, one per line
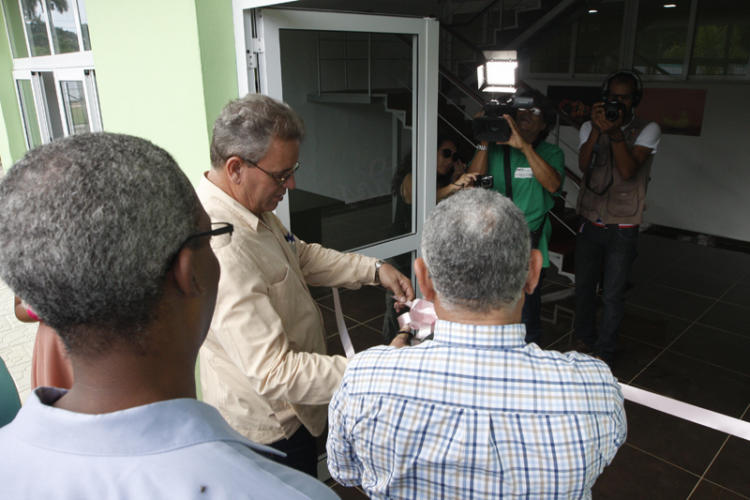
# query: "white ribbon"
[346,341]
[686,411]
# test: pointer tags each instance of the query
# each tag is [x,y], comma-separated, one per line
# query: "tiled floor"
[685,335]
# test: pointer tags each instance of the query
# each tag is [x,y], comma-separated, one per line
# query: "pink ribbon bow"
[421,317]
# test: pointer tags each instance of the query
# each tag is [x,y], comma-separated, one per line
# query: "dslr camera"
[492,127]
[612,109]
[484,181]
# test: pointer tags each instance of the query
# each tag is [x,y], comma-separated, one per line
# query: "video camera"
[492,127]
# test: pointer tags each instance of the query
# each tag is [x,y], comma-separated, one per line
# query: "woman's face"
[445,164]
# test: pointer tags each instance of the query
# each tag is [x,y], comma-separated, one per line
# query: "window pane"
[36,27]
[598,41]
[28,110]
[661,37]
[53,109]
[344,196]
[84,25]
[722,38]
[64,34]
[74,102]
[14,25]
[550,50]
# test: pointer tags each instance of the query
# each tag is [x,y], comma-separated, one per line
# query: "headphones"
[637,92]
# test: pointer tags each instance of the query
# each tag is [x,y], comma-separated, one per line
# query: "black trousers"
[301,452]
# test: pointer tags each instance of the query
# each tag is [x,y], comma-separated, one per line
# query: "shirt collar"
[480,336]
[142,430]
[210,193]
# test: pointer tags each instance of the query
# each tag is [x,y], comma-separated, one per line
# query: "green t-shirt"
[528,193]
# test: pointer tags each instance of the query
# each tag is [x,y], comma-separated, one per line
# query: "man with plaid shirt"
[475,412]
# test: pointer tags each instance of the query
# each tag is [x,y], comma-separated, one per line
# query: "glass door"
[366,89]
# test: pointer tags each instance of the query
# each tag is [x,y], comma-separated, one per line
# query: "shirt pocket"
[298,313]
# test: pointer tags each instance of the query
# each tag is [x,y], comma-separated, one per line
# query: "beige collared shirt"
[264,362]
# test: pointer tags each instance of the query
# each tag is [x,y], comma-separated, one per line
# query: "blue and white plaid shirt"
[474,413]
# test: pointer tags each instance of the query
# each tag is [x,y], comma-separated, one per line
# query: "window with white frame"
[53,68]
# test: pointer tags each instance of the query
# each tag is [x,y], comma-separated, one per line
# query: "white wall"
[700,184]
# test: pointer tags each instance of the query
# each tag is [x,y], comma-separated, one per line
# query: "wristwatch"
[378,264]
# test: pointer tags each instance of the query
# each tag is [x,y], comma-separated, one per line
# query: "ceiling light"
[593,11]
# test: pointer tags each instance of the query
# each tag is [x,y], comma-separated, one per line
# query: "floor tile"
[669,301]
[348,493]
[362,304]
[728,317]
[731,466]
[697,281]
[729,350]
[635,474]
[688,445]
[362,338]
[329,321]
[318,292]
[651,327]
[738,295]
[631,357]
[707,490]
[697,383]
[376,324]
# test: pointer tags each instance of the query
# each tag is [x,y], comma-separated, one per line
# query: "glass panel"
[74,103]
[64,34]
[84,25]
[36,27]
[343,197]
[28,111]
[53,109]
[598,41]
[14,25]
[660,37]
[722,38]
[550,50]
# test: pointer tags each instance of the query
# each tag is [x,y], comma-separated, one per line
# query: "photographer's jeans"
[531,315]
[605,253]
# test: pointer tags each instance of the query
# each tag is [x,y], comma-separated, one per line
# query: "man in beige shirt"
[264,363]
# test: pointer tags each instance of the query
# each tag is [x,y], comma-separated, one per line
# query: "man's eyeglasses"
[280,177]
[220,234]
[449,153]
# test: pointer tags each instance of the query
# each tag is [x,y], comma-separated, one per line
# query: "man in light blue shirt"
[104,237]
[476,412]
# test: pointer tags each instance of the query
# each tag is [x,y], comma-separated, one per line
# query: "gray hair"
[89,226]
[476,246]
[246,127]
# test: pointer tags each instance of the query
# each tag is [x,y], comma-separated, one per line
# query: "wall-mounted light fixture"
[498,72]
[669,5]
[593,11]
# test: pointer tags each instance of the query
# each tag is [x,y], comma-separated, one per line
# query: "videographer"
[537,170]
[615,155]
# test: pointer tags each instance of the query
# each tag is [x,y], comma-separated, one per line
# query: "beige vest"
[624,201]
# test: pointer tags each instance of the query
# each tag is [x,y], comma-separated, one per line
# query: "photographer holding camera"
[615,155]
[537,170]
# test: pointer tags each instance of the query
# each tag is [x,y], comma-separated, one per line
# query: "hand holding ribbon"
[421,317]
